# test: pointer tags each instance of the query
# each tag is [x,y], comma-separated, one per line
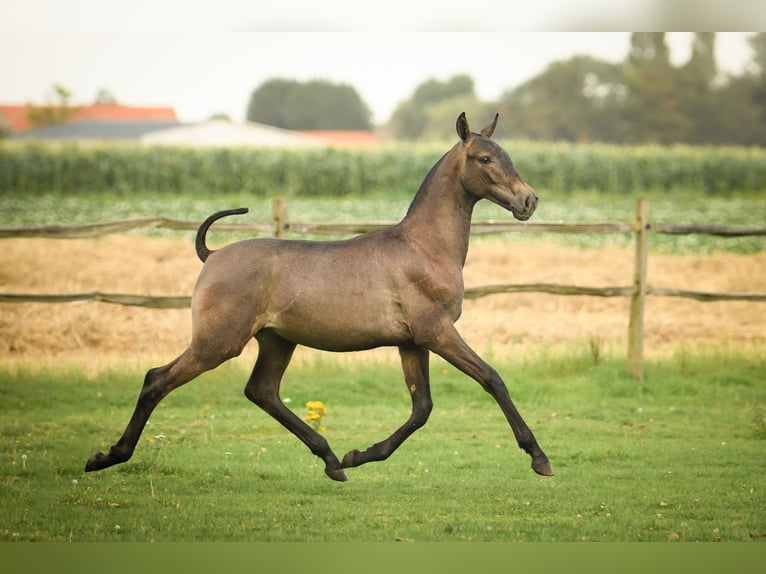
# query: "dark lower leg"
[415,367]
[157,384]
[274,354]
[451,347]
[524,436]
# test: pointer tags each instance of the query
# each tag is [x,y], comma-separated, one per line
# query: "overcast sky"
[210,63]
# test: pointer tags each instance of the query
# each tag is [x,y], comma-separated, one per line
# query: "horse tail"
[202,251]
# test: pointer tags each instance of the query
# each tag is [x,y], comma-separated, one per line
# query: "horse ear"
[462,127]
[489,129]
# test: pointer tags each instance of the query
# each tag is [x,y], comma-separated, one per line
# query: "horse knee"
[493,383]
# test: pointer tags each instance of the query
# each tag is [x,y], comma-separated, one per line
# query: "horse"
[401,287]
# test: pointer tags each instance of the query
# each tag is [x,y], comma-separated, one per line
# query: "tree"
[735,117]
[758,45]
[56,112]
[645,98]
[654,108]
[433,91]
[736,110]
[423,114]
[312,105]
[758,83]
[440,116]
[702,65]
[648,49]
[574,100]
[5,128]
[697,90]
[268,103]
[104,97]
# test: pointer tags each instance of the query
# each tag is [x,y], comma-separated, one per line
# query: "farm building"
[98,121]
[222,133]
[160,126]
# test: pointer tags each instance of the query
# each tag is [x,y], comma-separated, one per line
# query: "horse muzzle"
[525,203]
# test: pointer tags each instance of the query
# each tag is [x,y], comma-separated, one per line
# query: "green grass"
[676,208]
[677,458]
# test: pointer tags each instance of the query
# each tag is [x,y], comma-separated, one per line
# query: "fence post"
[636,321]
[279,216]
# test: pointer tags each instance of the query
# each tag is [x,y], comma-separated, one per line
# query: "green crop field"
[677,458]
[124,169]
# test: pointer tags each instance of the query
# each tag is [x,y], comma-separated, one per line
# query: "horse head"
[489,173]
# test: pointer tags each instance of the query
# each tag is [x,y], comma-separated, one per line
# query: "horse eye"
[485,159]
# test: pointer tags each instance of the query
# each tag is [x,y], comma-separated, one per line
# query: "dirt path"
[506,324]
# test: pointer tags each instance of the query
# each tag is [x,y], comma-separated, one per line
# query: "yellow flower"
[316,406]
[316,410]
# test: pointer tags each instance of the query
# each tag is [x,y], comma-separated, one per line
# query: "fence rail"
[87,230]
[280,226]
[184,301]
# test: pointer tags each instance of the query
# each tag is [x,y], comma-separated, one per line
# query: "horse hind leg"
[158,383]
[415,367]
[221,331]
[274,354]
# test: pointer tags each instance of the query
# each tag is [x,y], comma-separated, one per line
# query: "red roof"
[346,138]
[116,112]
[17,116]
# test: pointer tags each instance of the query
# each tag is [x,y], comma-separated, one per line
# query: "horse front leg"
[274,354]
[450,345]
[415,367]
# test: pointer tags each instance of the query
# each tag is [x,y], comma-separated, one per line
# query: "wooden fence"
[280,226]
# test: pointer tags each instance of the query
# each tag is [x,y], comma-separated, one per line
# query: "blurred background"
[394,74]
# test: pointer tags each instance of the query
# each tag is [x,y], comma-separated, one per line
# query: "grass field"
[677,458]
[676,208]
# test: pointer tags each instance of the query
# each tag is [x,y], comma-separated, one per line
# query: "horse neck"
[439,217]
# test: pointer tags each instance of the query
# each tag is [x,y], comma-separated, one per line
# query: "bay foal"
[401,286]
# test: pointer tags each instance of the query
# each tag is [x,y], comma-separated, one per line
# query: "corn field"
[124,169]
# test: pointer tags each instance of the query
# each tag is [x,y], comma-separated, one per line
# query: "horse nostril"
[531,202]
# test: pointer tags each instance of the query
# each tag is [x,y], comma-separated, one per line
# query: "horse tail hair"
[202,251]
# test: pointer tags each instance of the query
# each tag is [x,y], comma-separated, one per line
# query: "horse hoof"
[95,462]
[336,474]
[543,468]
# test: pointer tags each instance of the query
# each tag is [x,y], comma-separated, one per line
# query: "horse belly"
[350,324]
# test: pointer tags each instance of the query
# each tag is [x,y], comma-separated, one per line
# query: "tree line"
[644,99]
